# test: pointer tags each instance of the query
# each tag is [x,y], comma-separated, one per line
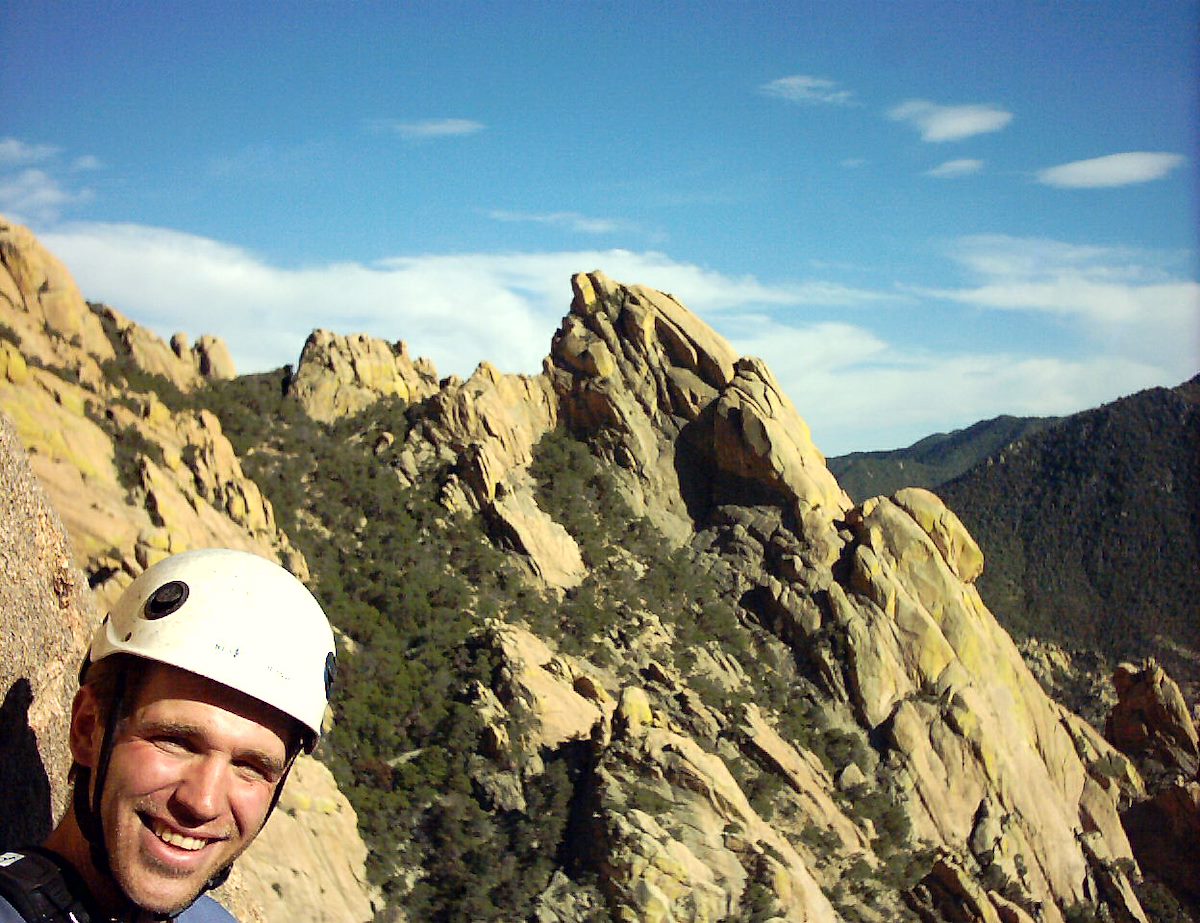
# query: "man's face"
[190,780]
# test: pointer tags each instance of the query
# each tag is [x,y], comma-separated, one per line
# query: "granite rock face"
[132,481]
[340,375]
[47,616]
[954,778]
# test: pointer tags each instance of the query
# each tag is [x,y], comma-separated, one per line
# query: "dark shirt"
[204,910]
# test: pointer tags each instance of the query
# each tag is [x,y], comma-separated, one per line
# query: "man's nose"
[203,789]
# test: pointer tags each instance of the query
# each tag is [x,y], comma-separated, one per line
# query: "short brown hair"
[104,678]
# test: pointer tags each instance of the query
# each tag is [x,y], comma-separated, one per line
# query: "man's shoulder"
[205,910]
[8,913]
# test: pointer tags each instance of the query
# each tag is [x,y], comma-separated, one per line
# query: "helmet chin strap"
[87,813]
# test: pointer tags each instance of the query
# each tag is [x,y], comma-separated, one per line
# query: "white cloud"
[455,309]
[1131,302]
[86,163]
[913,395]
[14,152]
[34,196]
[571,220]
[847,382]
[807,90]
[955,168]
[949,123]
[1113,170]
[428,129]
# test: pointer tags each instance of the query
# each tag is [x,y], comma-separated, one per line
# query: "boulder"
[47,615]
[341,375]
[1151,719]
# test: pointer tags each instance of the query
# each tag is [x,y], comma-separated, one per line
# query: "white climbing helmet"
[235,618]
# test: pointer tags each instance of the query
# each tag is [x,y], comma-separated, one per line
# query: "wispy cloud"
[807,90]
[15,153]
[457,309]
[34,196]
[429,129]
[86,163]
[1112,170]
[847,381]
[952,169]
[1134,303]
[949,123]
[572,221]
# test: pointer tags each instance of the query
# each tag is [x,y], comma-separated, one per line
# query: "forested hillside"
[933,460]
[1092,529]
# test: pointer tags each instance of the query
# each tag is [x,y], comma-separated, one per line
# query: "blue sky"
[920,214]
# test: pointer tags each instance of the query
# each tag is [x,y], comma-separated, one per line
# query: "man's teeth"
[167,835]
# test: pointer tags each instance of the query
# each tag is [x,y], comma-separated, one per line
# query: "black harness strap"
[44,889]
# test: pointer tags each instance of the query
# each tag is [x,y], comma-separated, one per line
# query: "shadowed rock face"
[46,620]
[1151,718]
[872,606]
[1151,723]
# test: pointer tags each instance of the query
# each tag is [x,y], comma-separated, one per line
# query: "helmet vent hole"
[166,599]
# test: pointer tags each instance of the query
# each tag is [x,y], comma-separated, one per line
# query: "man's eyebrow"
[169,728]
[194,731]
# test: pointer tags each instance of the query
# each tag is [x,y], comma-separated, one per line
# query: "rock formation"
[157,480]
[877,746]
[1151,723]
[339,375]
[1151,719]
[46,620]
[133,481]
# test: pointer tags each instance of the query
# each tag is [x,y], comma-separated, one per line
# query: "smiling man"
[208,677]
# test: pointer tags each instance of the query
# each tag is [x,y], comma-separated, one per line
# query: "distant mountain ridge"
[1090,523]
[1092,529]
[933,460]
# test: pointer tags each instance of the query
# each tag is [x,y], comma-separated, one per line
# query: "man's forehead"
[165,687]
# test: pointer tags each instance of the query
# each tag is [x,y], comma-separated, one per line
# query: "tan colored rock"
[212,359]
[759,436]
[634,366]
[40,301]
[951,538]
[341,375]
[147,350]
[47,615]
[487,428]
[1151,718]
[806,776]
[541,685]
[309,863]
[693,850]
[948,893]
[981,743]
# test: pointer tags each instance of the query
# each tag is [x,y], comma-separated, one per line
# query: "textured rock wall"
[183,487]
[46,619]
[132,479]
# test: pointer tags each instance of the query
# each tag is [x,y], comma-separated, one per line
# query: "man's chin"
[166,890]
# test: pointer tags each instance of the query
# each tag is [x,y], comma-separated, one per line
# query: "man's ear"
[87,728]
